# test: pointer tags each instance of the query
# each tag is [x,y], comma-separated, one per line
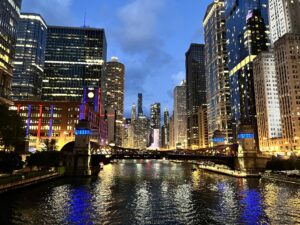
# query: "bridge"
[224,155]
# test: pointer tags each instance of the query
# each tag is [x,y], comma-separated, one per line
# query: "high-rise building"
[141,133]
[267,101]
[287,59]
[203,131]
[284,18]
[155,116]
[9,17]
[171,133]
[30,57]
[140,104]
[196,90]
[217,74]
[165,129]
[180,116]
[133,112]
[113,89]
[75,58]
[247,29]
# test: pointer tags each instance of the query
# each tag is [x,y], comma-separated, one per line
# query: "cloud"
[55,12]
[138,24]
[178,77]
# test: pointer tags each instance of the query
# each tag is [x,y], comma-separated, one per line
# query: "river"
[153,192]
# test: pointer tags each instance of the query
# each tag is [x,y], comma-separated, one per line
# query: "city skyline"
[136,49]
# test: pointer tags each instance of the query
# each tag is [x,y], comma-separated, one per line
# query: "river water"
[153,192]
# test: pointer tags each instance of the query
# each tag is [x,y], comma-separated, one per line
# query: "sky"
[150,37]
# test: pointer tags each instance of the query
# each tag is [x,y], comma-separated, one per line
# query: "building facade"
[196,91]
[140,104]
[9,17]
[203,131]
[267,102]
[113,89]
[217,74]
[287,63]
[180,116]
[75,58]
[247,30]
[284,18]
[30,57]
[165,130]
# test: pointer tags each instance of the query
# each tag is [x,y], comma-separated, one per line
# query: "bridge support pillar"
[79,161]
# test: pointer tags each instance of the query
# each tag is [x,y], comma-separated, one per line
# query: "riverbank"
[281,177]
[221,169]
[15,182]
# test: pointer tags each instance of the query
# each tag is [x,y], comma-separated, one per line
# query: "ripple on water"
[153,192]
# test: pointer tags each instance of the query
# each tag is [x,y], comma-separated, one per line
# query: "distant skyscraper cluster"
[54,76]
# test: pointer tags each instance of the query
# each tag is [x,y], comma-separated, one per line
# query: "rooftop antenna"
[84,21]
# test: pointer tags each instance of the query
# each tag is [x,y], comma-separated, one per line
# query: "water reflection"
[153,192]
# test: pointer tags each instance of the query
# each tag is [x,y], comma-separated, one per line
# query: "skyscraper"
[196,90]
[140,104]
[30,57]
[133,112]
[267,101]
[180,116]
[287,58]
[9,17]
[217,75]
[113,89]
[247,29]
[155,116]
[75,58]
[166,129]
[284,18]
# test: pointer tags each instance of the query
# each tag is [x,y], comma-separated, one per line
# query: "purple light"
[28,121]
[51,121]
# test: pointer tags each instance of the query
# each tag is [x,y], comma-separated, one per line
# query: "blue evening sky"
[149,36]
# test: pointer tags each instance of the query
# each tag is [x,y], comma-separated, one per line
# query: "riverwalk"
[14,182]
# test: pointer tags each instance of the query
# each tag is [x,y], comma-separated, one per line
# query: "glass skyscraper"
[196,90]
[75,58]
[9,17]
[217,75]
[30,57]
[247,30]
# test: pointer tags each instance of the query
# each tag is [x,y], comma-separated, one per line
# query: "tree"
[50,144]
[10,161]
[12,132]
[44,159]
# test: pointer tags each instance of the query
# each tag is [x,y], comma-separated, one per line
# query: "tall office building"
[141,133]
[140,104]
[217,75]
[113,90]
[284,18]
[75,58]
[155,115]
[203,131]
[9,17]
[133,112]
[180,116]
[247,29]
[30,57]
[267,101]
[196,91]
[171,133]
[165,130]
[287,63]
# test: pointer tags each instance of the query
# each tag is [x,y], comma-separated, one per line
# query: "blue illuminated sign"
[245,136]
[218,140]
[82,132]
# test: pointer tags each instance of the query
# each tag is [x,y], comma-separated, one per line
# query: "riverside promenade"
[14,182]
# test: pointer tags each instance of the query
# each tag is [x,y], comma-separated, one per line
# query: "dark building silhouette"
[140,104]
[196,90]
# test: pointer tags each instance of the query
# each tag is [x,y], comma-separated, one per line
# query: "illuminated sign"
[245,136]
[218,140]
[83,132]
